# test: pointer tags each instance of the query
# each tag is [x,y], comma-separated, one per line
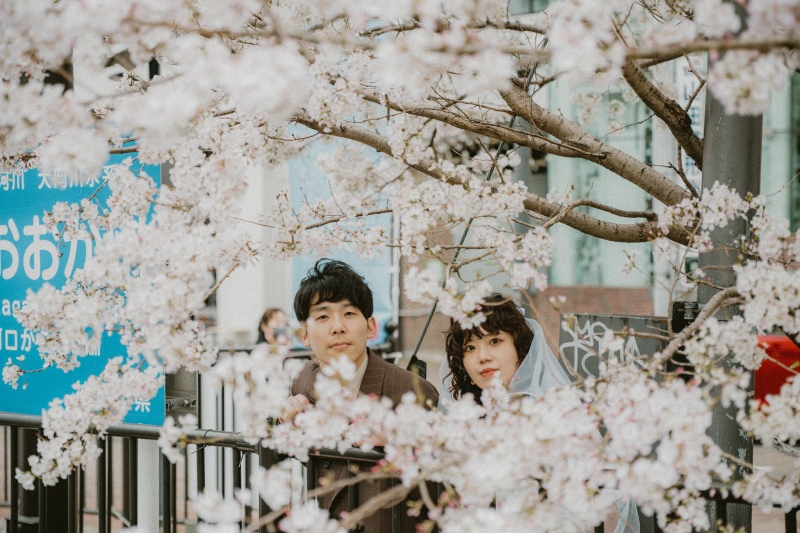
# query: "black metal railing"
[64,506]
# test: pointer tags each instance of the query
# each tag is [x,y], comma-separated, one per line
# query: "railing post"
[790,521]
[236,469]
[40,497]
[352,497]
[5,463]
[102,494]
[133,481]
[395,510]
[266,459]
[72,502]
[28,506]
[126,479]
[109,480]
[81,498]
[201,470]
[173,497]
[14,455]
[166,500]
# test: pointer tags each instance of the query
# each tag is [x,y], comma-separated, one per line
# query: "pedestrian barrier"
[64,506]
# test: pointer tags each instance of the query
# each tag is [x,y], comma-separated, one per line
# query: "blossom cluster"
[73,424]
[512,450]
[416,93]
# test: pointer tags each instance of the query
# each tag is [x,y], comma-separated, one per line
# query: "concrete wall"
[242,298]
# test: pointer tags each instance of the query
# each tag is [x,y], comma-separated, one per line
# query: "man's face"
[334,329]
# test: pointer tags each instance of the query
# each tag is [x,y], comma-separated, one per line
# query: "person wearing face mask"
[273,327]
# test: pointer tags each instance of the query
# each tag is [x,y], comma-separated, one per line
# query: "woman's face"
[276,321]
[492,355]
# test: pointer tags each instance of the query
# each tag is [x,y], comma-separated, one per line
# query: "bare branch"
[387,497]
[495,131]
[649,215]
[337,219]
[124,150]
[510,25]
[405,26]
[208,294]
[717,301]
[667,109]
[677,50]
[615,160]
[679,171]
[640,232]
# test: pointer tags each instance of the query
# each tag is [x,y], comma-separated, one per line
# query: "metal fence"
[119,483]
[132,488]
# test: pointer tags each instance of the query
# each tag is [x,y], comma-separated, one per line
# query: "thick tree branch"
[680,49]
[667,109]
[495,131]
[638,232]
[646,178]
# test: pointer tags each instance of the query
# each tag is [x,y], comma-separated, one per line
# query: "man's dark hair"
[332,281]
[502,314]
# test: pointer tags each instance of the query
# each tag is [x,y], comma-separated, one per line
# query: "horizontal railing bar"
[225,439]
[117,514]
[295,352]
[350,453]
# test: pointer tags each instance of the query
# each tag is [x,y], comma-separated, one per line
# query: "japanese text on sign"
[30,250]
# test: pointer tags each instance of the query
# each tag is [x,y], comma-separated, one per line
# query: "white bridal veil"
[538,373]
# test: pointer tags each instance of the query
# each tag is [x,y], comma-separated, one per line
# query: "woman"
[500,346]
[273,327]
[508,346]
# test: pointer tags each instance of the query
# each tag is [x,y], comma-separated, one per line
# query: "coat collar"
[372,383]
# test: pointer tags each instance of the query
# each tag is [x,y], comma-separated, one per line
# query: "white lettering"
[32,259]
[12,339]
[13,181]
[8,248]
[27,340]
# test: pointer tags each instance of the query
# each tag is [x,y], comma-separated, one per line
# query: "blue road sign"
[29,257]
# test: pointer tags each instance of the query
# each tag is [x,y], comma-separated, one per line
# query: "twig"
[649,215]
[711,307]
[648,117]
[397,492]
[219,281]
[426,496]
[337,219]
[269,518]
[679,171]
[124,150]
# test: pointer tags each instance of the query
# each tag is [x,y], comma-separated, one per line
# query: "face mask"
[280,331]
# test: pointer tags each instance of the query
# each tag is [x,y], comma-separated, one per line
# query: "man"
[336,305]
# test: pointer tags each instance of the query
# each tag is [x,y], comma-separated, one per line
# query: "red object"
[770,376]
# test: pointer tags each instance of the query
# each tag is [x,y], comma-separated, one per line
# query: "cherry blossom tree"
[414,99]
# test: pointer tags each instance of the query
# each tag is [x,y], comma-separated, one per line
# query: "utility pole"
[731,156]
